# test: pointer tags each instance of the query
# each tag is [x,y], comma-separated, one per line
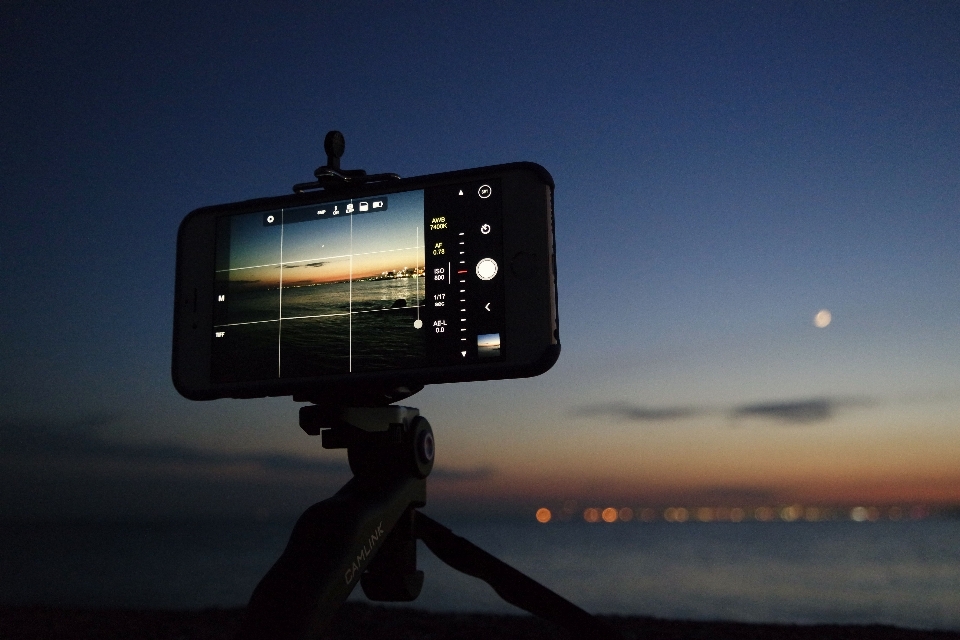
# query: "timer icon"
[484,229]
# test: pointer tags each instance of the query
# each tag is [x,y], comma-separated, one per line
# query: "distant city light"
[676,514]
[791,513]
[763,514]
[786,513]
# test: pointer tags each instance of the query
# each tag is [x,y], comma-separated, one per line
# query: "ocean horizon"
[904,573]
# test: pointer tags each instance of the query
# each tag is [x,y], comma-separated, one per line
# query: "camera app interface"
[397,281]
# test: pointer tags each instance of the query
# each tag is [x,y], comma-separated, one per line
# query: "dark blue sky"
[723,172]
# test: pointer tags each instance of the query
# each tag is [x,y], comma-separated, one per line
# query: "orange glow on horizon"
[541,486]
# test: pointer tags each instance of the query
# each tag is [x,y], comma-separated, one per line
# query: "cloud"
[315,264]
[51,436]
[798,411]
[84,437]
[791,412]
[74,469]
[802,411]
[478,473]
[634,413]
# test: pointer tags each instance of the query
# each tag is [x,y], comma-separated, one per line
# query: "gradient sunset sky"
[724,171]
[321,249]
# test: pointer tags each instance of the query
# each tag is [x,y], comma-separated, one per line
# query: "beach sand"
[360,620]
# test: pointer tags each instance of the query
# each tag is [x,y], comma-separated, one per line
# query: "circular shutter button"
[487,268]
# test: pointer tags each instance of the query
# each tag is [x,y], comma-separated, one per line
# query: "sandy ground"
[357,620]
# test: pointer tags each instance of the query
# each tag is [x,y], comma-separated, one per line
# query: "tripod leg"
[393,574]
[330,547]
[511,585]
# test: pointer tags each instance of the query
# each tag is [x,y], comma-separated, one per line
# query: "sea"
[334,328]
[903,573]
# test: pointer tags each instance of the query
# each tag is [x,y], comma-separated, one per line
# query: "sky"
[724,171]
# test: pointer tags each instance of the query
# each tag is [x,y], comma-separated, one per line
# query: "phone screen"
[402,280]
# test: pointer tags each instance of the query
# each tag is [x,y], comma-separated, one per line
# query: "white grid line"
[350,328]
[322,315]
[280,300]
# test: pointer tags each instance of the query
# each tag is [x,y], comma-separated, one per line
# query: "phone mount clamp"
[367,532]
[331,177]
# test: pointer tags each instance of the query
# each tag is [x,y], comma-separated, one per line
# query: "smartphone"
[442,278]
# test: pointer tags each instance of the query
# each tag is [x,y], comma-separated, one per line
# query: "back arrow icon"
[487,306]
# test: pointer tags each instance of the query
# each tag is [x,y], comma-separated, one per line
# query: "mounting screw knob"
[334,144]
[424,447]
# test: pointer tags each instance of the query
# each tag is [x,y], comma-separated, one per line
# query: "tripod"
[367,533]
